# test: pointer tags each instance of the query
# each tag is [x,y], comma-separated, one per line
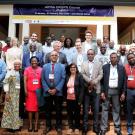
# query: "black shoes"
[47,130]
[118,132]
[59,131]
[102,132]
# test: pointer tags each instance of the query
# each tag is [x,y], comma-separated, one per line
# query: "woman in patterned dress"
[13,86]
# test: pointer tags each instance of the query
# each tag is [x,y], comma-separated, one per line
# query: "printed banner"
[63,10]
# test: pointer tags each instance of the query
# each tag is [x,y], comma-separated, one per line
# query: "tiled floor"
[53,132]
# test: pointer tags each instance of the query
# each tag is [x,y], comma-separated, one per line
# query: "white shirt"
[32,54]
[91,68]
[79,61]
[113,78]
[88,46]
[122,58]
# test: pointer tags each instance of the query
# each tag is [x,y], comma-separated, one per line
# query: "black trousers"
[53,103]
[73,110]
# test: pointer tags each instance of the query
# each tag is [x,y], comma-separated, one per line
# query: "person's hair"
[34,33]
[55,42]
[91,50]
[69,66]
[71,44]
[88,31]
[35,58]
[130,53]
[113,54]
[15,38]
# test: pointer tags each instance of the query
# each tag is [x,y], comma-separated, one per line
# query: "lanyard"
[131,70]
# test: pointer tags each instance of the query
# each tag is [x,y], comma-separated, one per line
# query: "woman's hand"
[7,97]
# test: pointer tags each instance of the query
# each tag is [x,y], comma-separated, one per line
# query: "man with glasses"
[53,78]
[92,73]
[61,56]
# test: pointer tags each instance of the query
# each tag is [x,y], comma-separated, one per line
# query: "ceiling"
[71,2]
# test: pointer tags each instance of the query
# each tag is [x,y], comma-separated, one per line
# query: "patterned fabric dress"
[10,118]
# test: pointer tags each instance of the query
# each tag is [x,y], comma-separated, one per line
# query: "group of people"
[87,74]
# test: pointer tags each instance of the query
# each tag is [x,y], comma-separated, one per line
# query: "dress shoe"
[69,131]
[129,130]
[118,133]
[84,132]
[102,132]
[76,132]
[30,129]
[96,130]
[47,130]
[59,131]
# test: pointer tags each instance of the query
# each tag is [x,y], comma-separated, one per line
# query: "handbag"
[40,98]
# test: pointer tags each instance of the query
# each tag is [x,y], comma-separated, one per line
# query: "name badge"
[35,81]
[130,78]
[51,76]
[17,86]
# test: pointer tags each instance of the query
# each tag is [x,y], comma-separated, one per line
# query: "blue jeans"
[130,106]
[95,98]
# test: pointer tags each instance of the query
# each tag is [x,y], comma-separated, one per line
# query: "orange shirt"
[130,73]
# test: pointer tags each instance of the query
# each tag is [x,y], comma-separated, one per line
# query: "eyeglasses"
[72,67]
[54,55]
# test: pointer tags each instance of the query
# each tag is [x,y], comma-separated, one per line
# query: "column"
[133,34]
[25,29]
[114,32]
[11,28]
[99,31]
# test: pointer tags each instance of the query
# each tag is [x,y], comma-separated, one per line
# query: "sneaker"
[69,131]
[130,130]
[76,132]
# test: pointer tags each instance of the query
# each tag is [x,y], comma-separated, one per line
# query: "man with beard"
[130,75]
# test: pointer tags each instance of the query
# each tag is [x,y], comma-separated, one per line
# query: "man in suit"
[113,87]
[28,55]
[53,78]
[122,56]
[61,56]
[92,73]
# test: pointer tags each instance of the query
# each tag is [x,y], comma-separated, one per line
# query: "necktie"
[53,68]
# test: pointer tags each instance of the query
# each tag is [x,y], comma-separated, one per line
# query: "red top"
[130,72]
[33,78]
[5,48]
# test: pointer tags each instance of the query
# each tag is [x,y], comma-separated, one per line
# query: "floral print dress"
[10,118]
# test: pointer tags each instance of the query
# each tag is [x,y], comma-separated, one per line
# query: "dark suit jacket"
[121,79]
[62,58]
[26,59]
[78,86]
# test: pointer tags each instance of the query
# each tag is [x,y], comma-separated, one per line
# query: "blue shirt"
[2,71]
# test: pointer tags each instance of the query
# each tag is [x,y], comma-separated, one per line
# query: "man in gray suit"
[92,73]
[61,56]
[113,86]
